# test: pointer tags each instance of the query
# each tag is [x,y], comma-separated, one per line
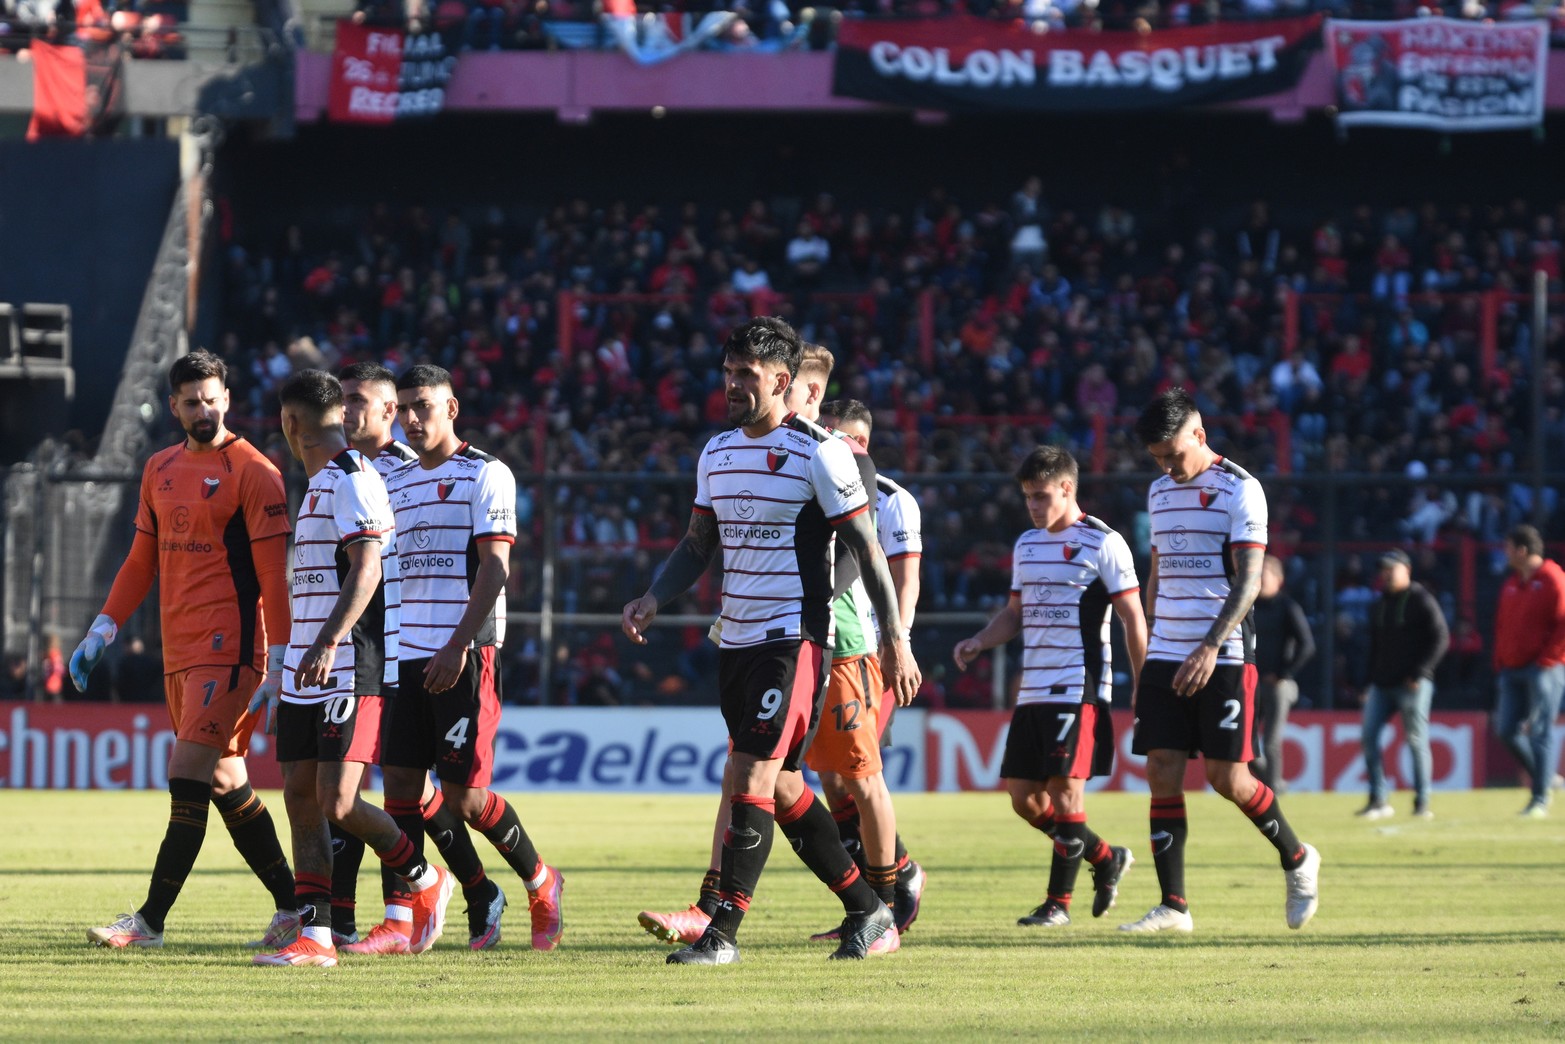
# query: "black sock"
[455,845]
[810,829]
[404,860]
[188,801]
[711,891]
[746,844]
[347,855]
[883,882]
[410,817]
[312,896]
[899,853]
[849,828]
[1169,828]
[1070,845]
[1044,824]
[499,823]
[1263,811]
[250,825]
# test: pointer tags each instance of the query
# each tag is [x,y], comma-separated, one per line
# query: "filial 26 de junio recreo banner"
[977,64]
[1439,73]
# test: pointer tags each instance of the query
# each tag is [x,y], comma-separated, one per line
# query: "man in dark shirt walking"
[1283,645]
[1407,639]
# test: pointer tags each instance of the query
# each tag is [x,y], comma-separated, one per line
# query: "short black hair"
[1164,416]
[197,366]
[314,390]
[425,375]
[1049,463]
[849,410]
[368,373]
[1526,537]
[765,338]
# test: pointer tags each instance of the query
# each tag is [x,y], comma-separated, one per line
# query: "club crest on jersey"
[776,457]
[1071,549]
[313,498]
[444,487]
[208,487]
[1209,495]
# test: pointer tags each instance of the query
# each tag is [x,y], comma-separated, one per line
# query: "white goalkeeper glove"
[87,655]
[271,689]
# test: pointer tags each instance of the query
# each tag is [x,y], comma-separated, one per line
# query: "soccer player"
[848,762]
[369,393]
[328,726]
[1197,690]
[455,512]
[1065,574]
[770,499]
[212,528]
[846,737]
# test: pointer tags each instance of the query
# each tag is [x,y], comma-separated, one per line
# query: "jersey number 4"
[457,734]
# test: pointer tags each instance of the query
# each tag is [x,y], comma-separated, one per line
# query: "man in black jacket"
[1283,644]
[1407,639]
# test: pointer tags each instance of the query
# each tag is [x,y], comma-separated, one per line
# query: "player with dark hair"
[1197,690]
[770,499]
[1065,574]
[212,529]
[328,724]
[455,511]
[369,394]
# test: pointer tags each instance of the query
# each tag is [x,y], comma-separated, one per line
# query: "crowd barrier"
[89,746]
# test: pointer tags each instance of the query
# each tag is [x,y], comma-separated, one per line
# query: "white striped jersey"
[776,500]
[1195,525]
[345,504]
[1064,582]
[391,457]
[898,521]
[899,526]
[442,513]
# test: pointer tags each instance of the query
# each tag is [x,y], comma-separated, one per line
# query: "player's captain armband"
[714,634]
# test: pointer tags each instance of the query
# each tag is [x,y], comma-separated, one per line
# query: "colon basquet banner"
[976,64]
[1439,73]
[379,75]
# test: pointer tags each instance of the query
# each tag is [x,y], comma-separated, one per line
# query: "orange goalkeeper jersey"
[204,510]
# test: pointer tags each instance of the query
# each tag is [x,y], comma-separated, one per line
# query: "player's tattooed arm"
[1242,591]
[689,559]
[896,659]
[1151,590]
[684,567]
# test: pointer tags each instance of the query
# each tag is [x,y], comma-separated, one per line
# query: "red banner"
[977,63]
[1441,74]
[1321,751]
[59,91]
[366,68]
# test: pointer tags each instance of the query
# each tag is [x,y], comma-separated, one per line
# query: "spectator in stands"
[13,680]
[51,672]
[1407,641]
[1529,651]
[1283,645]
[139,676]
[808,253]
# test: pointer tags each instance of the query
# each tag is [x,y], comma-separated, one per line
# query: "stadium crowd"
[973,328]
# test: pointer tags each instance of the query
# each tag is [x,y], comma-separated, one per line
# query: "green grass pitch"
[1448,929]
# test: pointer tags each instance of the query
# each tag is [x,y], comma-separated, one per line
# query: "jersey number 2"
[1231,719]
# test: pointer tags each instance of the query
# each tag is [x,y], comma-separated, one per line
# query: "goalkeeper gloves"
[99,637]
[271,689]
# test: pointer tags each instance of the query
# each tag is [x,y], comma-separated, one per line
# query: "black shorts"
[343,728]
[452,732]
[1059,740]
[1217,722]
[771,697]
